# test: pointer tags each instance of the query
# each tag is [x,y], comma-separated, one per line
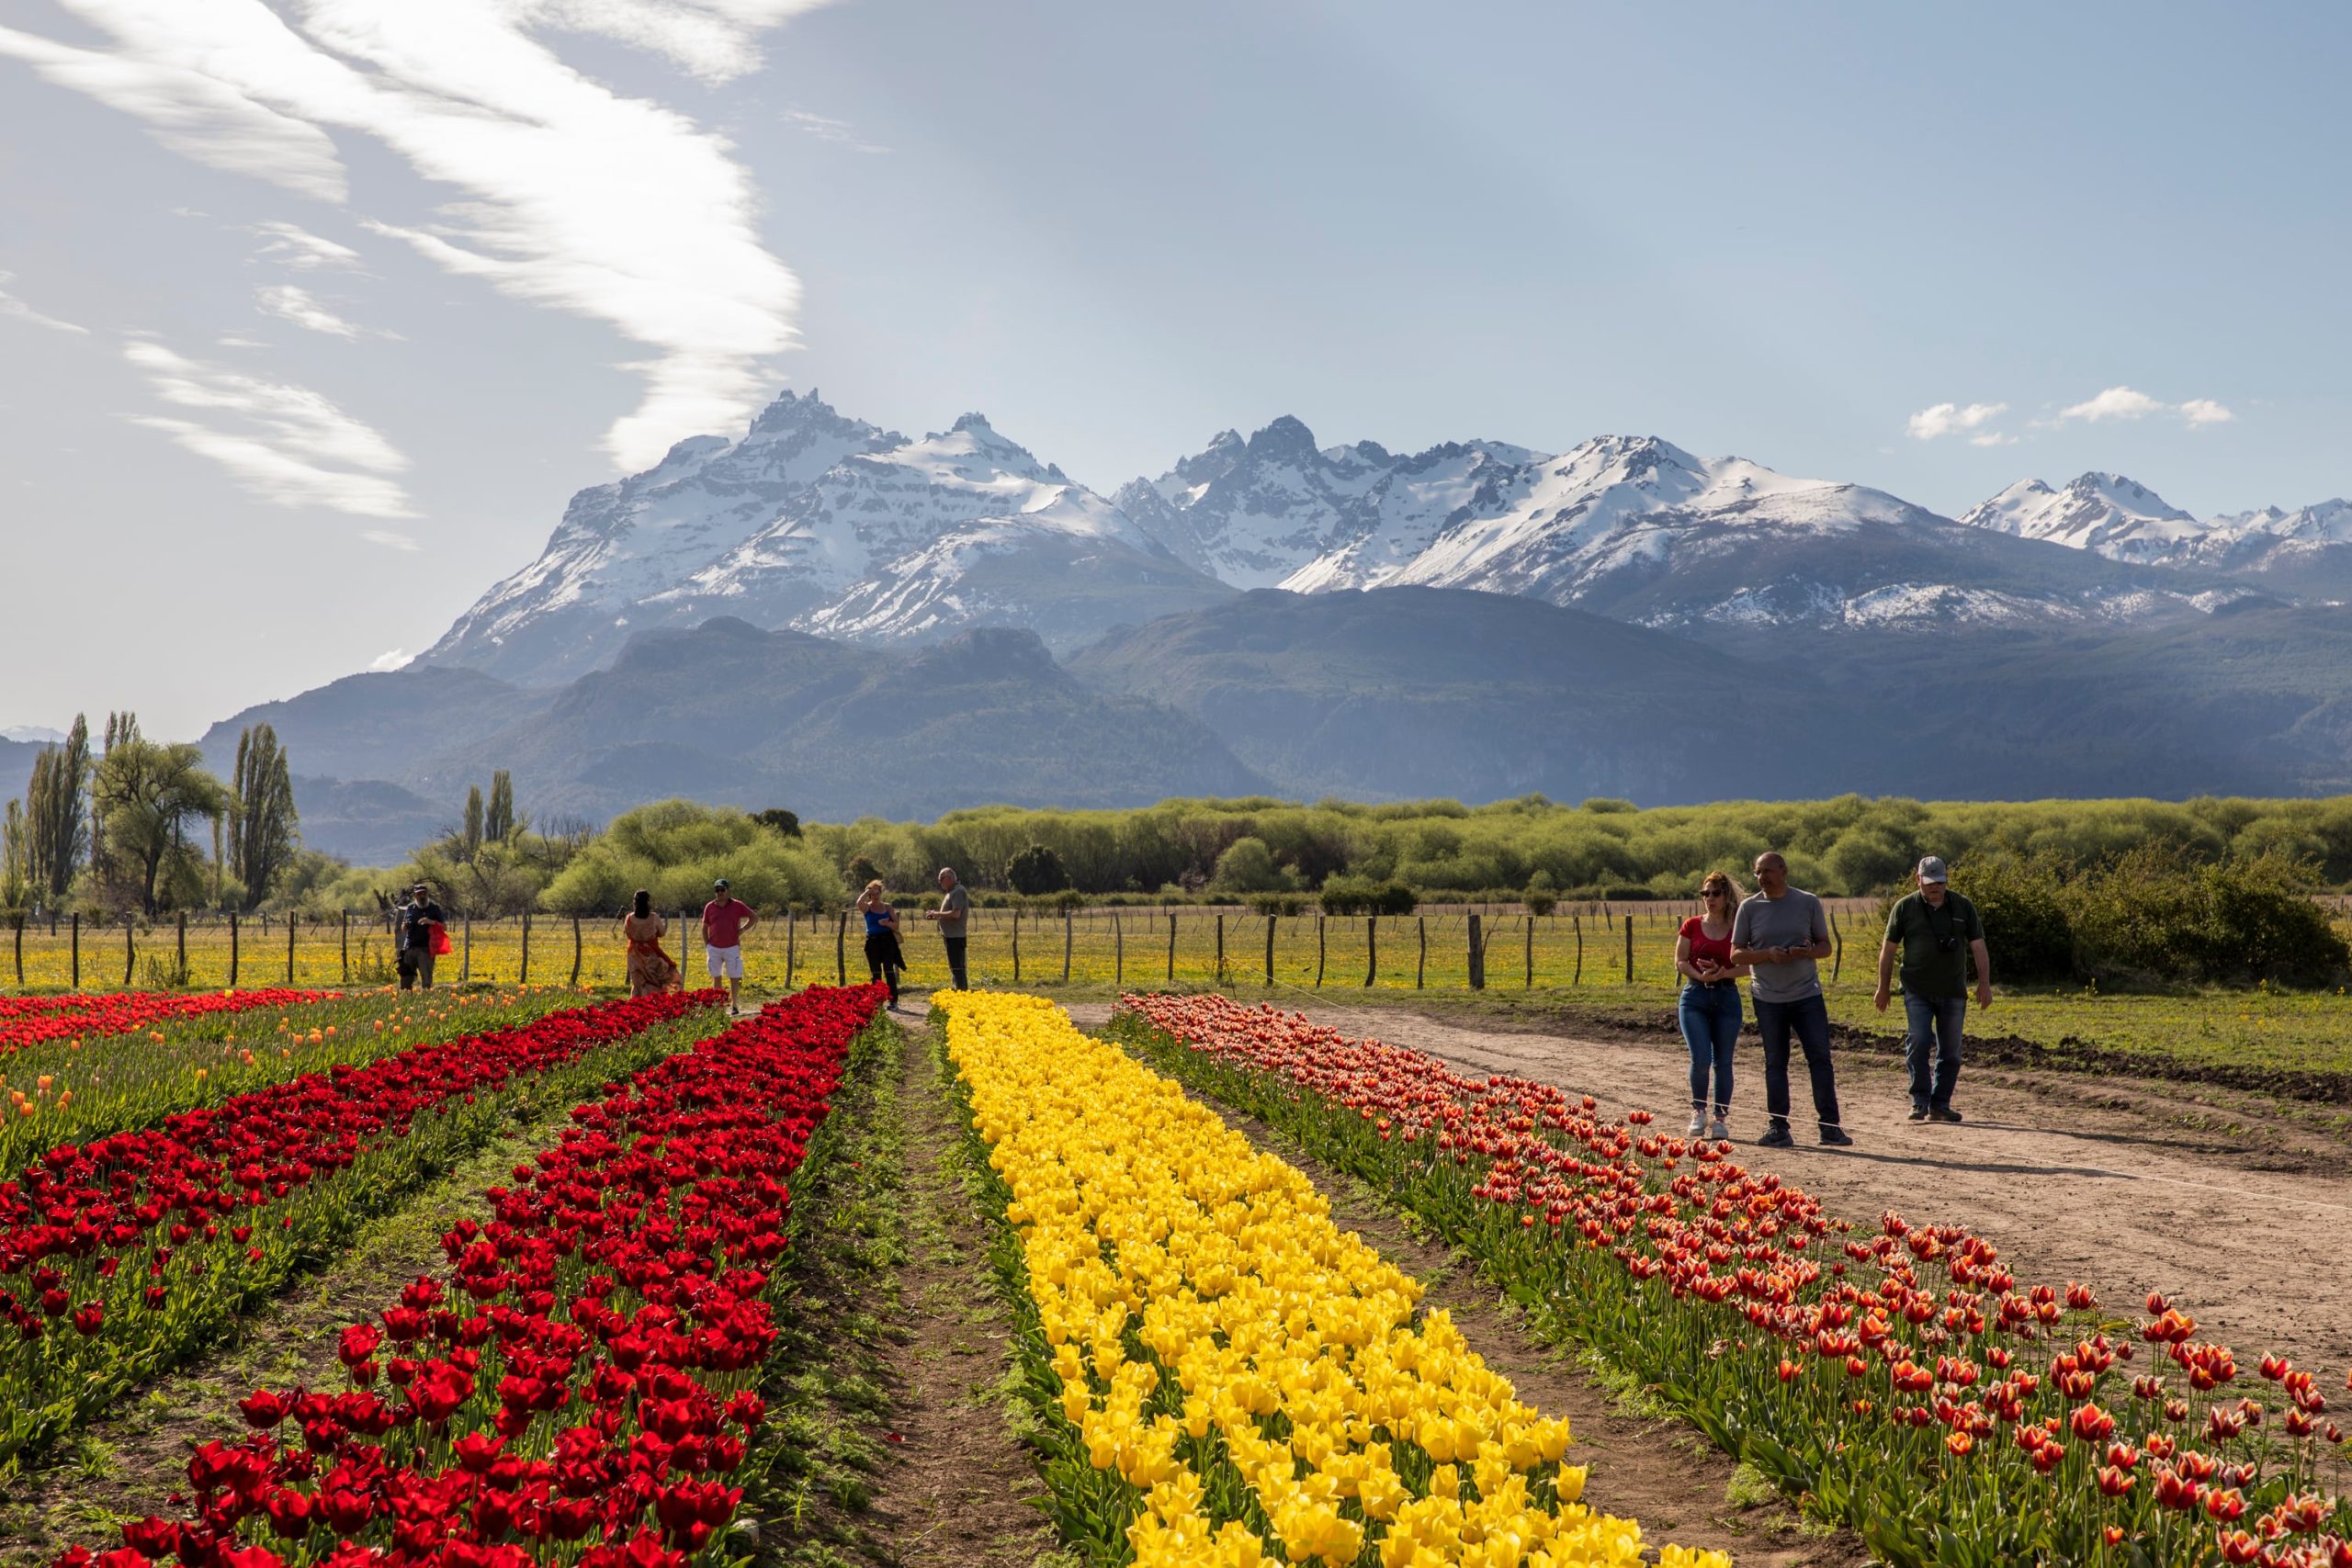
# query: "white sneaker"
[1719,1131]
[1698,1126]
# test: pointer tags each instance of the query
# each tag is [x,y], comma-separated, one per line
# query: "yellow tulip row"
[1258,1377]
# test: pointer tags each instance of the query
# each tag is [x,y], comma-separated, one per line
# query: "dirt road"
[2239,1208]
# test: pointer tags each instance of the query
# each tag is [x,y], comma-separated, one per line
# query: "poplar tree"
[470,835]
[57,818]
[498,822]
[263,824]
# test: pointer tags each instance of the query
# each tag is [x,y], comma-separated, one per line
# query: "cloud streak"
[824,128]
[283,443]
[299,306]
[291,245]
[571,197]
[14,309]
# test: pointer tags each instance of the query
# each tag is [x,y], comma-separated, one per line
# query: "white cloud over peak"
[286,443]
[571,195]
[301,308]
[2128,402]
[14,309]
[390,658]
[2205,411]
[1950,419]
[390,541]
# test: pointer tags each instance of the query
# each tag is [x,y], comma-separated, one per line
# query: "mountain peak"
[975,420]
[1285,437]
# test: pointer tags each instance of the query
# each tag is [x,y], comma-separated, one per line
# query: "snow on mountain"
[2328,523]
[33,734]
[2114,516]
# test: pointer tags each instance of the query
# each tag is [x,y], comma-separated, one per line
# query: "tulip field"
[603,1368]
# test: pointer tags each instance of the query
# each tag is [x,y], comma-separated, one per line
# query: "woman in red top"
[1710,1010]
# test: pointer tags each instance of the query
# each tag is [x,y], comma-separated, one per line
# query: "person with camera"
[1937,932]
[422,931]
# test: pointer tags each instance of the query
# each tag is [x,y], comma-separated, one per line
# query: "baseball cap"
[1932,869]
[722,883]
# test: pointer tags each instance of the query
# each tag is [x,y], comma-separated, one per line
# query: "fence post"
[1319,936]
[1016,947]
[232,950]
[1172,947]
[1371,949]
[1629,949]
[1422,964]
[1118,952]
[1270,919]
[791,945]
[130,954]
[1220,949]
[77,950]
[347,950]
[20,952]
[575,953]
[292,923]
[466,953]
[179,950]
[841,948]
[1577,921]
[1530,953]
[1066,924]
[1477,955]
[686,941]
[525,978]
[1837,960]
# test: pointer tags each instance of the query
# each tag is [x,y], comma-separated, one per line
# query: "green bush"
[2023,906]
[1362,895]
[1036,870]
[1248,866]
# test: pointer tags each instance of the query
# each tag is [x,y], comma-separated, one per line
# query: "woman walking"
[652,970]
[884,958]
[1710,1010]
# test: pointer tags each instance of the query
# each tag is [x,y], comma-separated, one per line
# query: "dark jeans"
[882,961]
[416,964]
[1809,1019]
[1932,1047]
[1710,1016]
[955,945]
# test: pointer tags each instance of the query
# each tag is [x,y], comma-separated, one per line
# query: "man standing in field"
[1779,932]
[1937,932]
[724,921]
[416,921]
[953,917]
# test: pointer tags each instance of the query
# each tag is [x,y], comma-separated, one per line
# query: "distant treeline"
[1599,848]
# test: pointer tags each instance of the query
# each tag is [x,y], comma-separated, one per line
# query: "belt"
[1710,985]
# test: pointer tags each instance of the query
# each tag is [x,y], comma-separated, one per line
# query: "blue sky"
[298,352]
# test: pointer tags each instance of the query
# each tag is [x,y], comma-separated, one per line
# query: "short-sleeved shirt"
[1794,920]
[722,921]
[954,905]
[417,921]
[1704,947]
[1922,931]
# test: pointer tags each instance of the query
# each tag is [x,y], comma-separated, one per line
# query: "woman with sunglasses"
[1710,1010]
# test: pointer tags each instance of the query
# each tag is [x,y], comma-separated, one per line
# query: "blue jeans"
[1808,1018]
[1710,1017]
[1932,1047]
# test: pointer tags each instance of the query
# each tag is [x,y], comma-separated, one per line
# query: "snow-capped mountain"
[2114,516]
[817,521]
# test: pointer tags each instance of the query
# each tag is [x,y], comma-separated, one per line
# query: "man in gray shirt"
[954,916]
[1779,932]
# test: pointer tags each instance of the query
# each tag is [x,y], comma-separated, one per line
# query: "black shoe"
[1777,1138]
[1942,1113]
[1836,1138]
[1918,1113]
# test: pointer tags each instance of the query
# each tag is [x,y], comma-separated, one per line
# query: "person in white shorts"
[724,921]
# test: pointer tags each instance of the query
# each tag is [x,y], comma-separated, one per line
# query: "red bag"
[440,940]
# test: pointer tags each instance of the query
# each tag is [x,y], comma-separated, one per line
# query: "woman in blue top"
[884,958]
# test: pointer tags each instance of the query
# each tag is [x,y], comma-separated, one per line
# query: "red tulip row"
[31,1021]
[1904,1378]
[118,1255]
[582,1385]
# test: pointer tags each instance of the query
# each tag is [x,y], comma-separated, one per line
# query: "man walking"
[1779,932]
[724,921]
[416,921]
[1938,931]
[953,917]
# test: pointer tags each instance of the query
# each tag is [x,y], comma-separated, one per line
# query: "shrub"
[861,872]
[1035,870]
[1277,903]
[1543,896]
[2023,906]
[1247,866]
[1362,895]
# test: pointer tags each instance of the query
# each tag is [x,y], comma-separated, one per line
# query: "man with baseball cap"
[724,921]
[1936,932]
[418,920]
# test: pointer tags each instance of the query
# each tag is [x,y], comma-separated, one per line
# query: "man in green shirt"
[1936,932]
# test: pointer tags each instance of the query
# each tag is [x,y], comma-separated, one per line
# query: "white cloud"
[615,209]
[1950,419]
[299,307]
[2114,402]
[390,658]
[284,442]
[14,309]
[2205,411]
[292,245]
[190,111]
[391,541]
[826,129]
[1992,438]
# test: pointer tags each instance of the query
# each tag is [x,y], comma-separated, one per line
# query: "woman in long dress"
[651,968]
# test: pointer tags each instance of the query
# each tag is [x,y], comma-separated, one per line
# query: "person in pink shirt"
[724,921]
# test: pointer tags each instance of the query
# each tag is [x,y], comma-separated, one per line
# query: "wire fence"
[1185,945]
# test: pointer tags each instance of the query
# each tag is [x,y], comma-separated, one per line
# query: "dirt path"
[958,1491]
[2240,1210]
